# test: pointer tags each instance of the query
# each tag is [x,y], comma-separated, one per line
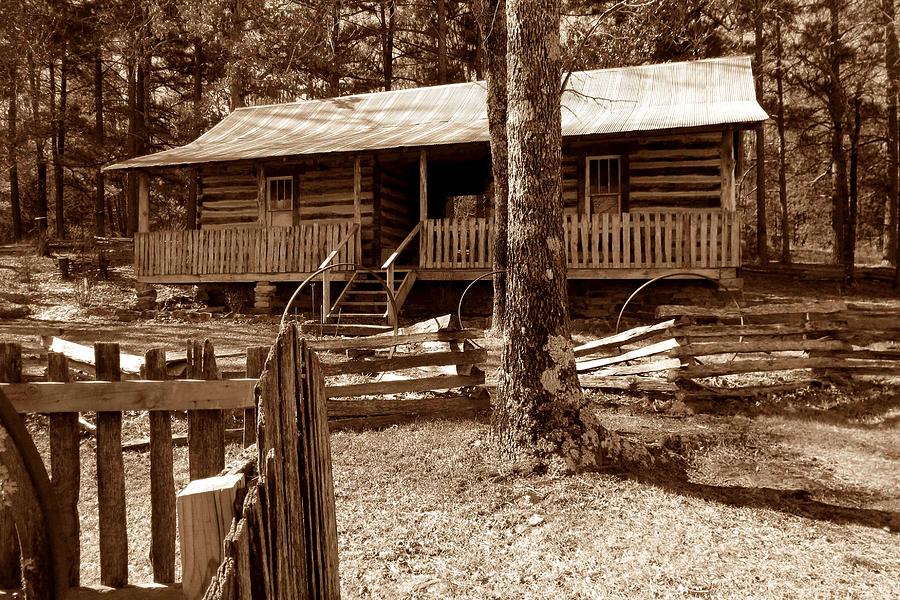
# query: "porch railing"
[297,249]
[687,239]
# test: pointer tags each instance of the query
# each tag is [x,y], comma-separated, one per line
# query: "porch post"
[357,210]
[726,161]
[423,186]
[261,194]
[423,201]
[143,202]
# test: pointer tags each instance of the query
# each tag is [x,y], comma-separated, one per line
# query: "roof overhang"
[609,102]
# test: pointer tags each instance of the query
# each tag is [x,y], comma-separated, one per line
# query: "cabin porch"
[637,245]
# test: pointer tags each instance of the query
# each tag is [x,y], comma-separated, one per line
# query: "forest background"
[87,83]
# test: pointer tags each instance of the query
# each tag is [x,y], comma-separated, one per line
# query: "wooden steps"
[364,300]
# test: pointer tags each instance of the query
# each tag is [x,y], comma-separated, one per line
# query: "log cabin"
[398,184]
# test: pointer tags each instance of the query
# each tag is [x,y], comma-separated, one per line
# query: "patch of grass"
[424,513]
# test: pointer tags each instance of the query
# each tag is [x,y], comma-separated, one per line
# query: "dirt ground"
[796,495]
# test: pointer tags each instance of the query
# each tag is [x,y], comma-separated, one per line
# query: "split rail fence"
[828,340]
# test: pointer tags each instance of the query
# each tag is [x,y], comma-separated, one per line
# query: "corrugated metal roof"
[608,101]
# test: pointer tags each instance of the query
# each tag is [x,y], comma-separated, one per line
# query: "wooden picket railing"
[659,239]
[242,250]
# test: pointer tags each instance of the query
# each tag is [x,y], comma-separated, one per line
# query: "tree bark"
[442,41]
[891,58]
[782,143]
[59,141]
[131,146]
[388,11]
[850,249]
[99,140]
[236,72]
[540,397]
[40,209]
[12,149]
[837,110]
[334,84]
[762,234]
[492,26]
[196,117]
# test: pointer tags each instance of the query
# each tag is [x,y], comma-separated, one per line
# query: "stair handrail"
[389,263]
[326,277]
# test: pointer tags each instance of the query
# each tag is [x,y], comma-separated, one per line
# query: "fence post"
[162,479]
[65,469]
[111,477]
[206,428]
[256,363]
[10,571]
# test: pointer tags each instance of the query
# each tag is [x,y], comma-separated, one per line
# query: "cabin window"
[603,184]
[280,193]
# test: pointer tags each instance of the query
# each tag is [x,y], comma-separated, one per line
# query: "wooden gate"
[28,512]
[283,540]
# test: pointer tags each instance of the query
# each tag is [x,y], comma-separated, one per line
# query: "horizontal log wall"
[326,195]
[676,172]
[572,183]
[228,196]
[398,209]
[298,249]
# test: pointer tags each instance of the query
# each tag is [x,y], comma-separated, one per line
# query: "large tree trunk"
[492,25]
[891,58]
[388,11]
[836,109]
[762,230]
[12,149]
[541,413]
[850,250]
[235,71]
[442,41]
[190,216]
[782,142]
[131,148]
[37,127]
[59,143]
[539,394]
[99,140]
